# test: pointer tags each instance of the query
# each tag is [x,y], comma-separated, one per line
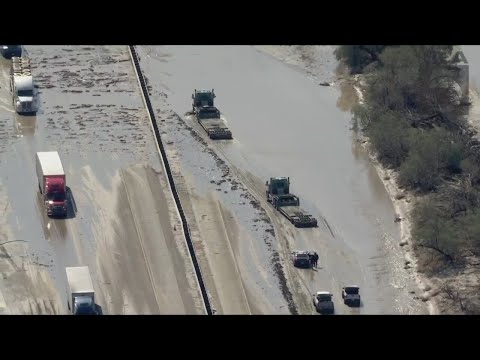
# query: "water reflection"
[348,96]
[25,125]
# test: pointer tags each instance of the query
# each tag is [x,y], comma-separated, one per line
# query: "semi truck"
[81,295]
[52,183]
[278,194]
[208,116]
[22,87]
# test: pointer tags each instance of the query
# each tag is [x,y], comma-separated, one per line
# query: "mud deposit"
[204,172]
[122,218]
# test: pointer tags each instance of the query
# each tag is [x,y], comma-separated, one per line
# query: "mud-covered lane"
[232,236]
[26,282]
[284,124]
[122,223]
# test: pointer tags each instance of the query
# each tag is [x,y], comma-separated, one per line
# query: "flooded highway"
[122,222]
[284,124]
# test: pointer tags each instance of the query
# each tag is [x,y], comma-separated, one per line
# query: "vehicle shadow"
[47,220]
[354,307]
[25,125]
[72,205]
[98,309]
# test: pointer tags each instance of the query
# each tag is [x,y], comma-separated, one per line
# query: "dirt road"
[122,222]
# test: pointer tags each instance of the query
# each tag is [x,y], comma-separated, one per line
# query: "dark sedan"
[301,259]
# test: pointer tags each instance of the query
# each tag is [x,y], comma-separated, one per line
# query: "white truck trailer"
[81,295]
[52,183]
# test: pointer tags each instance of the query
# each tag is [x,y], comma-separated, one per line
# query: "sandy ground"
[356,239]
[122,222]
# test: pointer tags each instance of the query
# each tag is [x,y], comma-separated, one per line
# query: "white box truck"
[52,183]
[81,295]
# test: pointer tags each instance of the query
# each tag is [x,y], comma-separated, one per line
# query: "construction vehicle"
[52,183]
[21,85]
[81,295]
[208,116]
[278,194]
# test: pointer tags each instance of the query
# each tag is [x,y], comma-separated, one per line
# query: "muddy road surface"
[122,221]
[284,124]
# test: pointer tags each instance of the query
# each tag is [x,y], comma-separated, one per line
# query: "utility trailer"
[278,194]
[208,116]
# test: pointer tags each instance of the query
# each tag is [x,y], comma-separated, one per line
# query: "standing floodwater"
[285,124]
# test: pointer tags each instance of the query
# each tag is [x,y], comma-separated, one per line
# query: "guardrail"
[168,172]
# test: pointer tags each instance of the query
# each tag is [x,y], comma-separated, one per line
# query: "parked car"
[323,303]
[301,259]
[351,295]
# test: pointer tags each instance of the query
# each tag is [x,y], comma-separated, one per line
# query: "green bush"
[414,127]
[389,138]
[434,231]
[470,167]
[357,57]
[432,154]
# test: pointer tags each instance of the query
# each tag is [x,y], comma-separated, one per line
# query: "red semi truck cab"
[52,183]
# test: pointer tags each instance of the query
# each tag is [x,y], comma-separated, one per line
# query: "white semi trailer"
[81,295]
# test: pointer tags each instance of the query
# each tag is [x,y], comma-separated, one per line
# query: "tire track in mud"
[286,235]
[276,260]
[140,239]
[281,226]
[290,279]
[280,262]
